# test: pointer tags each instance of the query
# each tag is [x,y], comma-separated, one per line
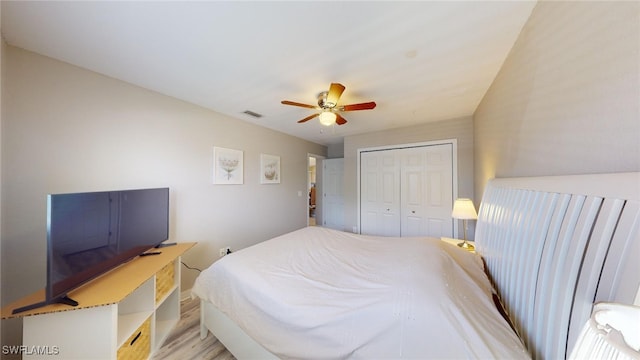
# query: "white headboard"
[554,246]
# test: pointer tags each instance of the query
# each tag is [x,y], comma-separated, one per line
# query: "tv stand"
[127,312]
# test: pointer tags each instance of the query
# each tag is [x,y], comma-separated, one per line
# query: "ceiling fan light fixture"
[324,102]
[329,111]
[327,118]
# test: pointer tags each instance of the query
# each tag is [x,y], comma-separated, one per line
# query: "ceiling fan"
[328,106]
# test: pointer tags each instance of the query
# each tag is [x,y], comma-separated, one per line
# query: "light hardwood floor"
[184,341]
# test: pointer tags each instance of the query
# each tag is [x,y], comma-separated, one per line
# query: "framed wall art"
[227,166]
[269,169]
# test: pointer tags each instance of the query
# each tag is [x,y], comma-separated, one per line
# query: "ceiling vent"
[251,113]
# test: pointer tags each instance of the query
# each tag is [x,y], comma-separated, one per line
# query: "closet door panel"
[413,222]
[439,202]
[437,226]
[412,192]
[380,194]
[388,188]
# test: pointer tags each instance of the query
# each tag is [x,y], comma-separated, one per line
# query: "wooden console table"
[126,313]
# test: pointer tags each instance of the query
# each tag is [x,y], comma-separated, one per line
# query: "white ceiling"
[419,61]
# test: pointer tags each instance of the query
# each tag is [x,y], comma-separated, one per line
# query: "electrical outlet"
[224,251]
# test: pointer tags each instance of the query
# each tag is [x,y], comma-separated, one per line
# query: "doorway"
[314,189]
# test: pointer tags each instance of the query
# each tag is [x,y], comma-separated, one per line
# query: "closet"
[407,190]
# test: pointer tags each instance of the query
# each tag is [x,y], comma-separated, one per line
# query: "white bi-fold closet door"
[407,191]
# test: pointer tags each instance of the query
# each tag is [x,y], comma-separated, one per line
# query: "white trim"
[454,160]
[185,295]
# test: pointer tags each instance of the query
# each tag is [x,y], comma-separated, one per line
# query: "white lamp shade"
[464,209]
[327,118]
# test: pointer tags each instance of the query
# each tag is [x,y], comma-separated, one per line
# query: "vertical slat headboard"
[555,245]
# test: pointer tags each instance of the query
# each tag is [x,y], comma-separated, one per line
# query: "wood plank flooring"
[184,341]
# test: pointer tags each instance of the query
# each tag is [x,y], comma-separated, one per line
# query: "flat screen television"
[91,233]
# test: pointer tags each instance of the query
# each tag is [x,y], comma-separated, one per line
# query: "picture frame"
[228,166]
[270,169]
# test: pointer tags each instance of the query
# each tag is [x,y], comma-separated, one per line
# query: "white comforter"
[318,293]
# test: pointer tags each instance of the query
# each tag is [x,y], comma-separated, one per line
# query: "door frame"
[454,165]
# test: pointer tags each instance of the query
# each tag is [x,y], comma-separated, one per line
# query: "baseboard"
[185,295]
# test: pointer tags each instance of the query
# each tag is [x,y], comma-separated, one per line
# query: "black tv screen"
[89,234]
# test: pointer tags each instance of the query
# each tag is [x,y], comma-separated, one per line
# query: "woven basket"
[165,280]
[138,345]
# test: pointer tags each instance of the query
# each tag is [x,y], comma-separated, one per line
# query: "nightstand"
[455,242]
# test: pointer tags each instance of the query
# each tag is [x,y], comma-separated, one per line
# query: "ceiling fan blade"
[361,106]
[308,118]
[335,91]
[340,120]
[287,102]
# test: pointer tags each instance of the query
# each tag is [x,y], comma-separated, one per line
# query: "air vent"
[251,113]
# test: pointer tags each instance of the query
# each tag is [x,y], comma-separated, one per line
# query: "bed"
[547,250]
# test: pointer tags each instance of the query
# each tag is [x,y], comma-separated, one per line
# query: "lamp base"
[465,245]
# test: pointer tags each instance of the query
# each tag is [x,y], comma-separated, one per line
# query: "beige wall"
[335,151]
[460,129]
[66,129]
[567,98]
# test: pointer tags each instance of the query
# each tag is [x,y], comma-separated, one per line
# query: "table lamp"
[464,210]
